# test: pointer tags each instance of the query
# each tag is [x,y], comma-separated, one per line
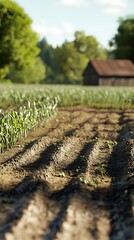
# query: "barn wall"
[116,81]
[93,79]
[90,76]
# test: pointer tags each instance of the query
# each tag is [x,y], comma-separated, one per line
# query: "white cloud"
[112,10]
[67,28]
[118,3]
[44,30]
[113,7]
[76,3]
[54,34]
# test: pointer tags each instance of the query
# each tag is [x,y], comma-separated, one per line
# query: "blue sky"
[57,20]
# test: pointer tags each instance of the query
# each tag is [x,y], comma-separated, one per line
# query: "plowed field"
[72,179]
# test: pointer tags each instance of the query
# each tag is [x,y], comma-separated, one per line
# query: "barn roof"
[113,67]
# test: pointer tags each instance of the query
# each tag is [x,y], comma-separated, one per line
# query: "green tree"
[18,43]
[46,52]
[66,63]
[89,46]
[69,63]
[47,55]
[72,57]
[35,73]
[122,43]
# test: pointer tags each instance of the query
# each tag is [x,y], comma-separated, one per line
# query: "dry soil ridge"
[73,180]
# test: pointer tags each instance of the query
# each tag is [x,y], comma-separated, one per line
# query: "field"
[66,163]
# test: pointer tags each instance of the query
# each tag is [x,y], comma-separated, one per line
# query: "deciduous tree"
[18,43]
[123,41]
[34,73]
[89,46]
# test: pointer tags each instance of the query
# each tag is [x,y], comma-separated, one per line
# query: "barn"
[109,73]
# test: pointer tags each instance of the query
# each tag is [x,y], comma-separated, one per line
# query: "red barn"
[109,73]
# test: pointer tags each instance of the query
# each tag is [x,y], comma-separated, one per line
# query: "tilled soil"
[72,179]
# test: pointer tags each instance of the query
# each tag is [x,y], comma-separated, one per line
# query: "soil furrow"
[13,204]
[74,180]
[83,219]
[119,199]
[35,219]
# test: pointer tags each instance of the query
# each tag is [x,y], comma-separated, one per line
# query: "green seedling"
[5,199]
[102,171]
[55,144]
[61,174]
[111,144]
[84,180]
[92,182]
[95,181]
[101,168]
[78,169]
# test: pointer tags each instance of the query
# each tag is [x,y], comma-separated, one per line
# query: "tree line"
[26,59]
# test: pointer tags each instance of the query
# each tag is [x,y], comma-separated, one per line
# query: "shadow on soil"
[116,200]
[119,201]
[17,199]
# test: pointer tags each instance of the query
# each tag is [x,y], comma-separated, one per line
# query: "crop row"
[67,96]
[35,104]
[17,124]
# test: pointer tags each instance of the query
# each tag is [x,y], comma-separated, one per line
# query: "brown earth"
[71,179]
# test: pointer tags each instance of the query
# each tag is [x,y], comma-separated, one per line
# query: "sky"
[57,20]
